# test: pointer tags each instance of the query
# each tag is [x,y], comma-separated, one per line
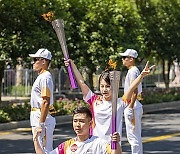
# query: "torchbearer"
[101,105]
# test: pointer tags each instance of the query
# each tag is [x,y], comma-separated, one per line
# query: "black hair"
[83,109]
[48,61]
[105,76]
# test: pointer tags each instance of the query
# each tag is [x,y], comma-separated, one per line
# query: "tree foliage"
[162,20]
[23,28]
[95,30]
[102,29]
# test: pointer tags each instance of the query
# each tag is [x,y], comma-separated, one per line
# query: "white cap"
[130,52]
[42,53]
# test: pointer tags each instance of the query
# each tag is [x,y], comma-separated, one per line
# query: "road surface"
[161,135]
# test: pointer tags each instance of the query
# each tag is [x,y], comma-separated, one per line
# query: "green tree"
[23,29]
[102,29]
[162,20]
[94,30]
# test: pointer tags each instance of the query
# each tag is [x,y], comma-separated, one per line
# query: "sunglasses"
[37,59]
[124,57]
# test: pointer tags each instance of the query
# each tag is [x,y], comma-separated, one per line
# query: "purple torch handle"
[113,143]
[71,77]
[71,74]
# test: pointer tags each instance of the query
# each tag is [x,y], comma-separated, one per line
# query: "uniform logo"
[74,147]
[89,151]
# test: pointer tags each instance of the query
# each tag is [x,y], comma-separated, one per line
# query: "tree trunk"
[91,81]
[2,64]
[19,72]
[166,73]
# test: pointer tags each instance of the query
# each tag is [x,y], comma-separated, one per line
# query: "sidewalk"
[68,118]
[14,98]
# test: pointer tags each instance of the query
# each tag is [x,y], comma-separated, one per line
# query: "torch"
[58,25]
[114,81]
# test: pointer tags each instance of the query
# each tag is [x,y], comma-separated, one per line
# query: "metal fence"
[18,83]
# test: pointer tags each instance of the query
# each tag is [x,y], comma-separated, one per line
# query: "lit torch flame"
[112,64]
[48,16]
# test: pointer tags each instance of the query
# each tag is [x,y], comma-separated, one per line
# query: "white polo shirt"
[43,86]
[102,115]
[132,74]
[93,145]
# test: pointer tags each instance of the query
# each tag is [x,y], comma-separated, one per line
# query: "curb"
[26,123]
[68,118]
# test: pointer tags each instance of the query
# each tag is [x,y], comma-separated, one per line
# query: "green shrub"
[65,106]
[160,97]
[15,112]
[4,117]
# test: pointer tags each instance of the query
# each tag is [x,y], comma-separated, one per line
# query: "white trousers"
[134,131]
[46,137]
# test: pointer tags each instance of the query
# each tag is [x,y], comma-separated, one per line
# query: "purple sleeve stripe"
[91,100]
[61,148]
